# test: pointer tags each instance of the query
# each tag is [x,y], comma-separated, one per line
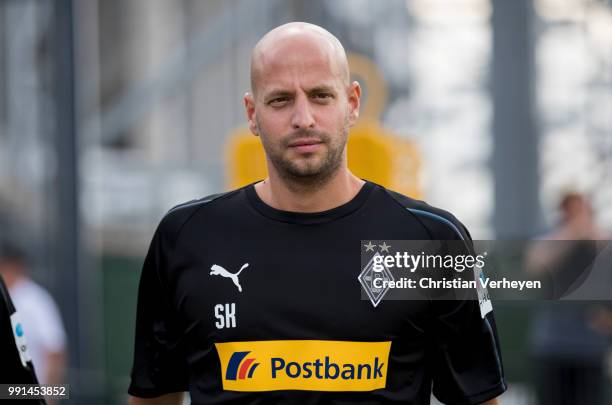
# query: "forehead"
[294,62]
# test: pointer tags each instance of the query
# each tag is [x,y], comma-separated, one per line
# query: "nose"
[302,114]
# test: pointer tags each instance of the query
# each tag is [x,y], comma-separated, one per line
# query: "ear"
[249,105]
[354,94]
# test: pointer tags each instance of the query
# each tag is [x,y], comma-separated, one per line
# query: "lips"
[304,142]
[305,145]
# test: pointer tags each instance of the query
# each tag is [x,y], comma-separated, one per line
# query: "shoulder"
[32,291]
[34,301]
[176,218]
[439,223]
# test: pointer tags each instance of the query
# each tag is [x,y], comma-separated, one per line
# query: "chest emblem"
[216,270]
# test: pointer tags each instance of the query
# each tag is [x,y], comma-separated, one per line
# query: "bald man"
[301,106]
[252,296]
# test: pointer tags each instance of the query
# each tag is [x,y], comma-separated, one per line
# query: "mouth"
[305,145]
[304,142]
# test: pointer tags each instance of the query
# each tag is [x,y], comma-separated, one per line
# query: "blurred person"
[16,366]
[569,340]
[42,323]
[251,296]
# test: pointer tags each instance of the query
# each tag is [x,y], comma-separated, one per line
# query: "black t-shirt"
[243,303]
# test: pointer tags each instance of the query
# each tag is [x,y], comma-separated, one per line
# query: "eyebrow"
[278,93]
[322,89]
[285,93]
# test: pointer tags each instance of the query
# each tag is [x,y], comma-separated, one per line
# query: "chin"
[307,169]
[305,172]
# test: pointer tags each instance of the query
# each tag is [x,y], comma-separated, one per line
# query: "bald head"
[288,39]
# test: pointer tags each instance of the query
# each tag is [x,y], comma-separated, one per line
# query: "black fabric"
[11,370]
[301,284]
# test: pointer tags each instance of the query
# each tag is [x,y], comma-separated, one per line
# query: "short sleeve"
[467,361]
[467,367]
[160,365]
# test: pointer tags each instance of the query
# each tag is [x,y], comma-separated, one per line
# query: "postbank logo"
[240,368]
[310,365]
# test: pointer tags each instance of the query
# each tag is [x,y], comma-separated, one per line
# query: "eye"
[278,101]
[323,96]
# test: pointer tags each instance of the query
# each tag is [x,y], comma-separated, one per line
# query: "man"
[569,339]
[42,323]
[252,296]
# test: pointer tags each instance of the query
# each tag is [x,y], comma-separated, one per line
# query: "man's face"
[302,110]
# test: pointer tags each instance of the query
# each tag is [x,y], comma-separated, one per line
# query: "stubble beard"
[307,173]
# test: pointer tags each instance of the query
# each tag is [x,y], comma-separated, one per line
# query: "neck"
[11,279]
[283,194]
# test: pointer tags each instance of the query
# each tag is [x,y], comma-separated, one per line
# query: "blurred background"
[113,111]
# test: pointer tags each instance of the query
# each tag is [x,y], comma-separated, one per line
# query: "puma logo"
[220,271]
